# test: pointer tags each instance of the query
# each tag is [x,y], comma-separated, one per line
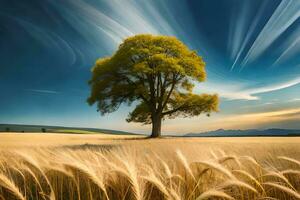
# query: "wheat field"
[85,167]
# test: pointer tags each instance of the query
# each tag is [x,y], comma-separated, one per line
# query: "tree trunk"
[156,126]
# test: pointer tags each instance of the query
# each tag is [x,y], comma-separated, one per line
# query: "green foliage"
[156,71]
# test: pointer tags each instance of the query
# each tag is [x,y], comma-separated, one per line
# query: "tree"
[156,72]
[43,130]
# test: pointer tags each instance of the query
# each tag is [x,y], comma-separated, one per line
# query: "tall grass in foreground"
[127,173]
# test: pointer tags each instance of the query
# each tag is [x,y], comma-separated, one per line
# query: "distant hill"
[248,132]
[57,129]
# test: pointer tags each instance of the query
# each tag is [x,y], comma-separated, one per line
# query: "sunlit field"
[98,166]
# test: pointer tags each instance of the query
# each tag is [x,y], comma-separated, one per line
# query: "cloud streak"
[291,47]
[274,87]
[294,100]
[42,91]
[239,26]
[233,121]
[284,16]
[238,91]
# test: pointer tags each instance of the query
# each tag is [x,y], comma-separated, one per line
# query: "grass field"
[102,166]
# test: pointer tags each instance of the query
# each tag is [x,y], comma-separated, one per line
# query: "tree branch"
[172,111]
[170,92]
[140,95]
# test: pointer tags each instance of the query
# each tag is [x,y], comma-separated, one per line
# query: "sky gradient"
[251,49]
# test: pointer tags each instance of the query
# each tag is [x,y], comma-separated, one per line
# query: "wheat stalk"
[238,183]
[185,163]
[214,193]
[284,189]
[217,167]
[289,159]
[11,186]
[250,177]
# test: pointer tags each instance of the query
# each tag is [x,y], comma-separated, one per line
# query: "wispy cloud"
[238,28]
[258,119]
[235,121]
[284,16]
[238,91]
[49,39]
[278,113]
[229,90]
[42,91]
[294,100]
[274,87]
[290,47]
[259,105]
[115,24]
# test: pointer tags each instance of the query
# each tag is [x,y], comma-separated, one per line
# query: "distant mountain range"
[79,130]
[245,133]
[56,129]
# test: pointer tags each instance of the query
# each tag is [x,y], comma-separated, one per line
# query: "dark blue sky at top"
[47,48]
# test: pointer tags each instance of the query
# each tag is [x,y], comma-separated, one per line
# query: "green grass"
[57,129]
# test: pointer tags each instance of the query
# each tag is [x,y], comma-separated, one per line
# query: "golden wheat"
[150,171]
[287,190]
[214,193]
[8,184]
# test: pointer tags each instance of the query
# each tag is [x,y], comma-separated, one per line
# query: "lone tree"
[157,72]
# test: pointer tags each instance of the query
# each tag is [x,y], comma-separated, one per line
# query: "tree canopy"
[157,72]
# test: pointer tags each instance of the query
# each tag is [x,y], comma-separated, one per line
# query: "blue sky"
[251,48]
